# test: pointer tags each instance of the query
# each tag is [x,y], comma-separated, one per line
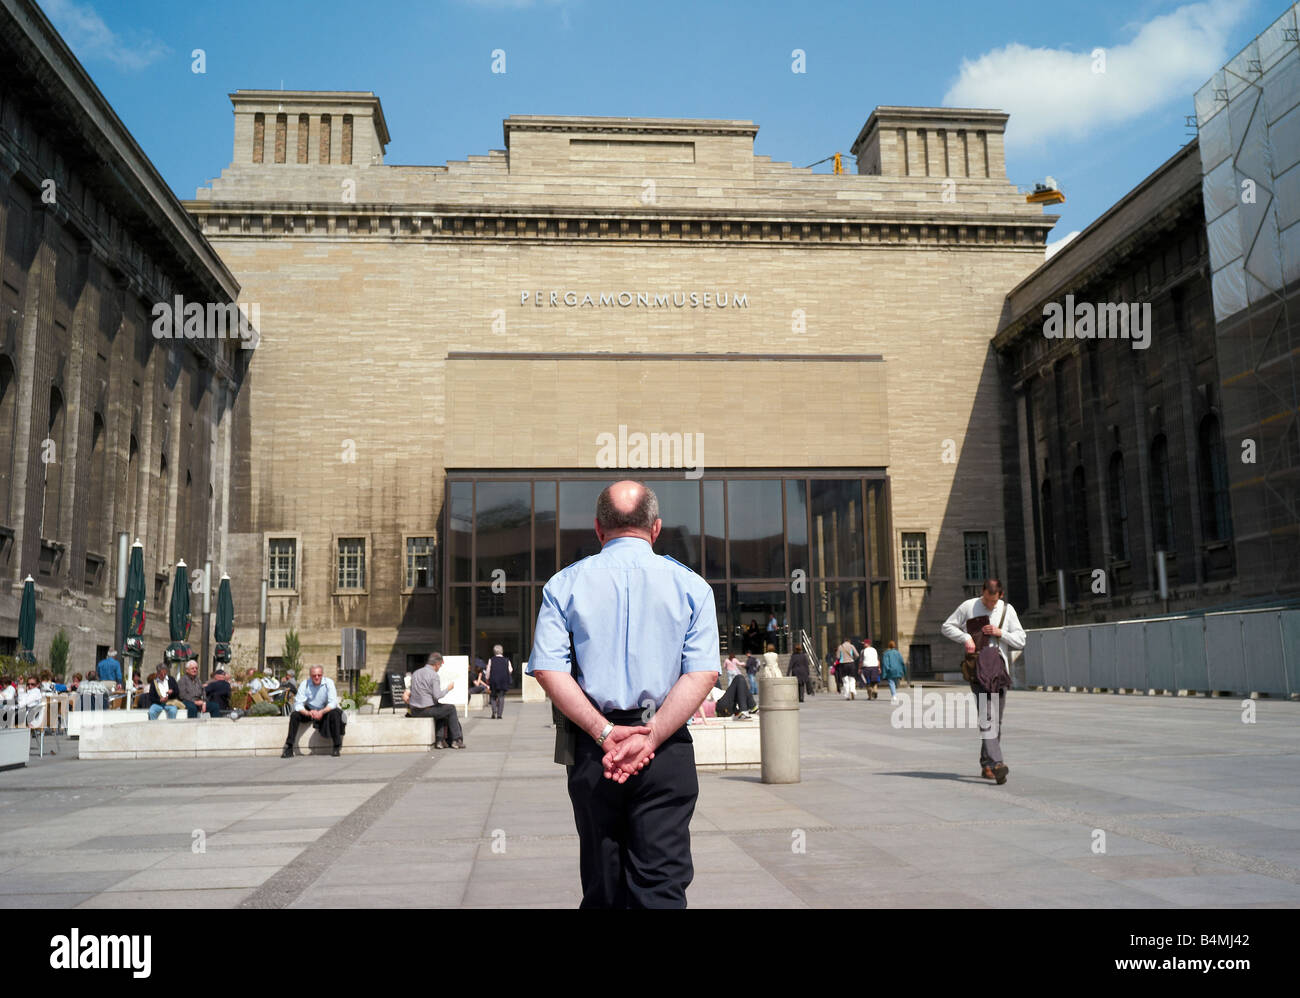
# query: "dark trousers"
[331,726]
[804,684]
[191,708]
[635,837]
[498,699]
[736,699]
[990,748]
[445,719]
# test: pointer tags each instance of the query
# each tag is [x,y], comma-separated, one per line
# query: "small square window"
[419,563]
[351,563]
[976,547]
[282,563]
[914,559]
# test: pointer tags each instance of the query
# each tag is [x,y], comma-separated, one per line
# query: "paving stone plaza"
[1198,810]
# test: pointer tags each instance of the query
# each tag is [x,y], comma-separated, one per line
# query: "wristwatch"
[605,734]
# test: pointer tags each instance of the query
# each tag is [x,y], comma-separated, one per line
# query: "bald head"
[627,509]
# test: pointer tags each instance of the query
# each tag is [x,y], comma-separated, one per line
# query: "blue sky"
[1097,132]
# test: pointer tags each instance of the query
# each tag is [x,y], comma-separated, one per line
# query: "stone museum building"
[847,389]
[455,359]
[103,426]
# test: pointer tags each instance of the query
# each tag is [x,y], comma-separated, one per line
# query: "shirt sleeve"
[333,695]
[550,638]
[700,649]
[1013,634]
[954,628]
[300,698]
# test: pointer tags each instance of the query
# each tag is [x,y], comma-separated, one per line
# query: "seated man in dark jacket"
[161,694]
[218,692]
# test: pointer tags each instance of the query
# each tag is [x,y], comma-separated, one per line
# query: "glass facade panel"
[544,526]
[836,507]
[796,525]
[878,525]
[577,520]
[502,618]
[736,530]
[757,533]
[679,508]
[458,623]
[715,530]
[504,534]
[460,529]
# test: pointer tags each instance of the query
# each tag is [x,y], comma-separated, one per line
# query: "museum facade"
[455,359]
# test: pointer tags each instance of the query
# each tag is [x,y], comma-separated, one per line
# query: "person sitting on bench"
[424,698]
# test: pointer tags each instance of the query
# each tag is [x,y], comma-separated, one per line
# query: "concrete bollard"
[778,729]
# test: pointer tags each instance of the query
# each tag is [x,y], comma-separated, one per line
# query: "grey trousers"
[444,715]
[990,747]
[498,700]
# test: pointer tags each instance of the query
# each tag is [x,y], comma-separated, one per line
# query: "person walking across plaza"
[801,669]
[972,626]
[892,666]
[500,678]
[626,647]
[846,668]
[870,669]
[317,703]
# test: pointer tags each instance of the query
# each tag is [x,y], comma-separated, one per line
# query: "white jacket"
[1013,635]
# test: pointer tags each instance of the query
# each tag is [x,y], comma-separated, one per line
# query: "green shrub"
[263,710]
[292,653]
[59,654]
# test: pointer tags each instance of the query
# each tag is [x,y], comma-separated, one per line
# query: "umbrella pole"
[207,622]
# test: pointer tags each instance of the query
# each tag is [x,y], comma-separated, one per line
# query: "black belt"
[566,732]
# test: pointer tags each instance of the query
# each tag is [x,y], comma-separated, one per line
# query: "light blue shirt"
[638,621]
[313,697]
[109,670]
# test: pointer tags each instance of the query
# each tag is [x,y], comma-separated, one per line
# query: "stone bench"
[220,737]
[477,701]
[15,745]
[77,719]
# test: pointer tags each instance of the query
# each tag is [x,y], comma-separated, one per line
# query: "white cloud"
[1054,248]
[90,38]
[1053,93]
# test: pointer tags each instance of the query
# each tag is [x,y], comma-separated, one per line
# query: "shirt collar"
[626,542]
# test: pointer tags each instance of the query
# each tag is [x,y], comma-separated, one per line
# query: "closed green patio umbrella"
[178,617]
[224,629]
[133,614]
[27,622]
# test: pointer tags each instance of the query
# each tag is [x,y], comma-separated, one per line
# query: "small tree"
[59,653]
[292,653]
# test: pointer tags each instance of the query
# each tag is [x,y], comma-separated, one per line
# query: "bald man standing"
[626,647]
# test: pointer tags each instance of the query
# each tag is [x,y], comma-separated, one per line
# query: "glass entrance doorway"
[759,617]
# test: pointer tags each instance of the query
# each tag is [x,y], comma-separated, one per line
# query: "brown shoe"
[440,744]
[1000,773]
[987,773]
[458,743]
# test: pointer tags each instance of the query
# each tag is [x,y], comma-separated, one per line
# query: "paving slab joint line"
[283,888]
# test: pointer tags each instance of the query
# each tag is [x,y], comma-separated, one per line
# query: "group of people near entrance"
[856,661]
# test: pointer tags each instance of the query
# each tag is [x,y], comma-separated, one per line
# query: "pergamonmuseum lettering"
[635,299]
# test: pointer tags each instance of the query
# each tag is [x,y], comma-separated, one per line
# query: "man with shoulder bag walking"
[986,665]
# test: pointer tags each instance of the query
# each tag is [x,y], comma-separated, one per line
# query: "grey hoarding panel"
[1160,654]
[1130,656]
[1190,670]
[1053,657]
[1227,668]
[1032,659]
[1291,648]
[1261,637]
[1103,656]
[1077,656]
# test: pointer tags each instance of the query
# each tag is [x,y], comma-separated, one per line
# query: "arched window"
[132,487]
[1216,514]
[1048,520]
[1117,501]
[157,517]
[1082,553]
[1162,496]
[52,460]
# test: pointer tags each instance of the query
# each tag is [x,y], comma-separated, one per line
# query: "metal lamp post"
[123,542]
[261,632]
